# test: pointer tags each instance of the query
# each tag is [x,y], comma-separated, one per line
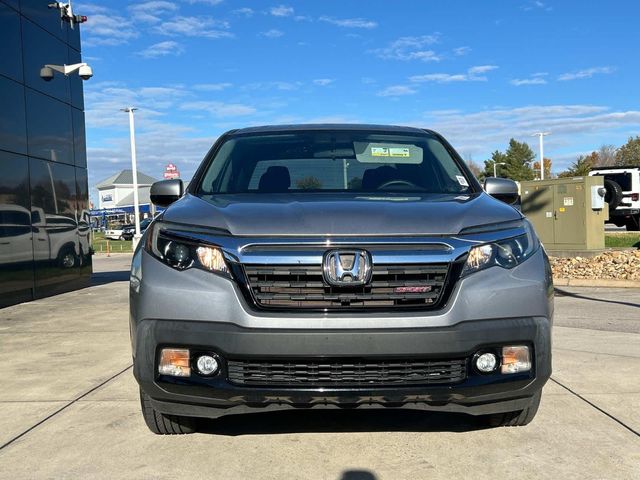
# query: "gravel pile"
[615,264]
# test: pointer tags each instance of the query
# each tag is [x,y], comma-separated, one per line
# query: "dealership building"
[115,198]
[44,200]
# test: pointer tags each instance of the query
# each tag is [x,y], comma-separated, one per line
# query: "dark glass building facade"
[44,197]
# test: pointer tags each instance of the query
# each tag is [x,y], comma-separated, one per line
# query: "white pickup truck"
[58,238]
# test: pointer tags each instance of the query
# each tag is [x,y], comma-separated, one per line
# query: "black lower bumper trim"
[212,397]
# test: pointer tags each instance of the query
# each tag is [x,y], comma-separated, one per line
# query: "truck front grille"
[346,373]
[303,287]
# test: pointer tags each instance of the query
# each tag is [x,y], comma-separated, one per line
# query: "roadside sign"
[171,171]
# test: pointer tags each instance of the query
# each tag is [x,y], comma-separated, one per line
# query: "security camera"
[85,72]
[46,73]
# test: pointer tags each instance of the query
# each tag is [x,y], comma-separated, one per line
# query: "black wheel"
[121,238]
[633,224]
[516,419]
[613,195]
[67,258]
[162,424]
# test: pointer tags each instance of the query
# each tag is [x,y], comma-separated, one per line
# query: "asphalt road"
[70,408]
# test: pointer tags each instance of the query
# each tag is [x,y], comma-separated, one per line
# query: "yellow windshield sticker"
[379,152]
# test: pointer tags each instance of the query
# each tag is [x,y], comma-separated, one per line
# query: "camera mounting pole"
[66,70]
[66,13]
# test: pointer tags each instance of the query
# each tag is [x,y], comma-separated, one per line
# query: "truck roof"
[328,126]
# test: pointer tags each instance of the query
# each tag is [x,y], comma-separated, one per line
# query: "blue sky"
[479,72]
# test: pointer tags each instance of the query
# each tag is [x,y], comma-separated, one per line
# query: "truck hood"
[340,214]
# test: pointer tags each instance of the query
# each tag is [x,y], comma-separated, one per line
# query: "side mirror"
[165,192]
[503,189]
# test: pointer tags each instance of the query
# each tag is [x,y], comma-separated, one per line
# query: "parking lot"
[70,407]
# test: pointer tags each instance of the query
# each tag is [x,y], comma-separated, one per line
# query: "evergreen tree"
[582,166]
[517,161]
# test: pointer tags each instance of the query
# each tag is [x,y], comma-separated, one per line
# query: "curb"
[597,282]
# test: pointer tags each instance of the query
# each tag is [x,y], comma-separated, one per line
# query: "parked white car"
[114,233]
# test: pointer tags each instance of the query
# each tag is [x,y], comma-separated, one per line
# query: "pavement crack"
[64,407]
[635,432]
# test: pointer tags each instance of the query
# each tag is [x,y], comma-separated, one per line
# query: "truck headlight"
[504,253]
[182,253]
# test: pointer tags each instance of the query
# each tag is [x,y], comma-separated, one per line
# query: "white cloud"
[273,33]
[440,78]
[537,4]
[410,48]
[152,11]
[460,51]
[323,82]
[220,109]
[397,91]
[479,133]
[350,22]
[474,74]
[286,86]
[481,69]
[212,87]
[107,27]
[194,27]
[208,2]
[281,11]
[162,49]
[528,81]
[586,73]
[245,11]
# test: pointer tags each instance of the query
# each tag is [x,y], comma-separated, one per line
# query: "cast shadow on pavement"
[564,293]
[357,475]
[341,421]
[102,278]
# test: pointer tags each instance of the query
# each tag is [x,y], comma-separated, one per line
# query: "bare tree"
[475,168]
[606,156]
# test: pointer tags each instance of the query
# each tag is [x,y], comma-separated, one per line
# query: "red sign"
[171,171]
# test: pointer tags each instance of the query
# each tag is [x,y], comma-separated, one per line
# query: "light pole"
[495,172]
[134,173]
[541,136]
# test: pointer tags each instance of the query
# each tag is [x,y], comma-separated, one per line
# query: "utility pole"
[495,164]
[541,136]
[134,173]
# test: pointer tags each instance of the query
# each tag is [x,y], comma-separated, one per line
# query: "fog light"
[207,365]
[174,362]
[515,359]
[487,362]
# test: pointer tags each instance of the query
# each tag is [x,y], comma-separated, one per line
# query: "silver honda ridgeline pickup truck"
[338,266]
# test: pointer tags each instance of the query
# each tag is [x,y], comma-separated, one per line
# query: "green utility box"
[567,213]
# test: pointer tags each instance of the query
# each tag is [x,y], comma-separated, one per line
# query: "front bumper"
[213,397]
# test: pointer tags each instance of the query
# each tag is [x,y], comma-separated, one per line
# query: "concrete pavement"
[70,407]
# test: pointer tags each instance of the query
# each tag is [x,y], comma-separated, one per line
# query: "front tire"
[518,418]
[162,424]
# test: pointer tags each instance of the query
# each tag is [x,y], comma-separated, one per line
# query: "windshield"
[335,161]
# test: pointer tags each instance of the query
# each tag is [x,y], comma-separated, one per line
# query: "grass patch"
[622,240]
[115,246]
